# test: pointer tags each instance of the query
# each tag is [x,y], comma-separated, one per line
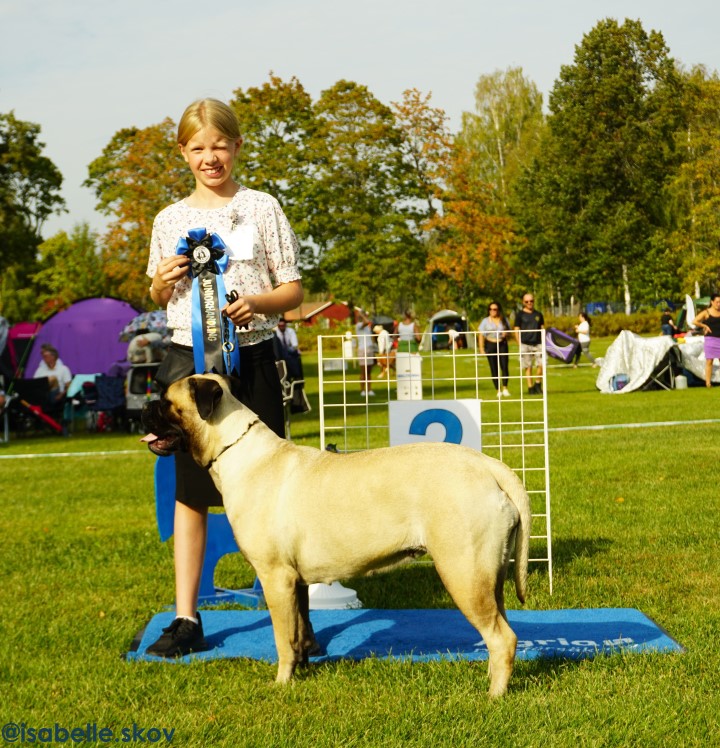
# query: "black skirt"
[259,389]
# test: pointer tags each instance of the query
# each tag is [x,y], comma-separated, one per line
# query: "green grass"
[635,524]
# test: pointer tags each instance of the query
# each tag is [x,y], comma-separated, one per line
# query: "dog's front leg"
[280,590]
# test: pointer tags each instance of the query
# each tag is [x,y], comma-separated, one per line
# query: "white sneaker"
[499,393]
[371,393]
[506,392]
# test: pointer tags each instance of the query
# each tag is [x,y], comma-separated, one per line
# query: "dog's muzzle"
[163,438]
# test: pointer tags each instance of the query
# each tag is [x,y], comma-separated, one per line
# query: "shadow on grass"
[418,585]
[414,586]
[568,550]
[528,675]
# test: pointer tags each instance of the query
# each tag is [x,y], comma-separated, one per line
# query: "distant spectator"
[494,331]
[55,370]
[409,336]
[528,323]
[385,351]
[288,349]
[709,321]
[667,324]
[366,352]
[583,332]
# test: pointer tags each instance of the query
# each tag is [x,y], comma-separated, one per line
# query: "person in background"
[667,324]
[288,349]
[386,352]
[709,321]
[528,323]
[494,330]
[409,336]
[582,329]
[366,352]
[55,370]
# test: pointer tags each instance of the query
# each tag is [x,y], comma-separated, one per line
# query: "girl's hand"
[169,271]
[241,311]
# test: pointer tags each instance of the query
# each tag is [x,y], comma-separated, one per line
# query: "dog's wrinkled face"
[173,422]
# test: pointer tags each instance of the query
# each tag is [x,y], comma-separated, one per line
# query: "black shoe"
[533,390]
[538,388]
[181,637]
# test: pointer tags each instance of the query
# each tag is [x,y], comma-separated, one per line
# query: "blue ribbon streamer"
[217,264]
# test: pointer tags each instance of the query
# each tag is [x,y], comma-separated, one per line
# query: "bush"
[610,325]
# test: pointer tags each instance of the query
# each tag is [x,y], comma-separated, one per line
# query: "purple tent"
[85,335]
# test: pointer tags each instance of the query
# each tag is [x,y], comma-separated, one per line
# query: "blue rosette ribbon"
[215,345]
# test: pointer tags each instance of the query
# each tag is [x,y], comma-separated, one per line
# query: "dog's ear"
[208,394]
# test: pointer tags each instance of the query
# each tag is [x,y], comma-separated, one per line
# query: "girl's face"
[210,156]
[494,311]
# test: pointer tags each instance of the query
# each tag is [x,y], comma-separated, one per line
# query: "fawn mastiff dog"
[302,515]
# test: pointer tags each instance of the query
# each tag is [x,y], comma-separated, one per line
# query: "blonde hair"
[207,113]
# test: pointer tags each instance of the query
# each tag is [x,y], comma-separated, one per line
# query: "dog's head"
[189,417]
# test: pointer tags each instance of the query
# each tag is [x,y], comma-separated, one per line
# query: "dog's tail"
[515,490]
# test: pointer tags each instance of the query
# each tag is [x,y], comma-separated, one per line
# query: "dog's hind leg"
[309,643]
[280,587]
[476,595]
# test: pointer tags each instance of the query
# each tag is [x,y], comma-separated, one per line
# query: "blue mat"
[422,635]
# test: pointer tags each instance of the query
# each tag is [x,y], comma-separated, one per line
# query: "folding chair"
[663,375]
[107,408]
[561,346]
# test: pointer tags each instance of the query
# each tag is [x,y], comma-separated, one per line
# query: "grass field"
[635,524]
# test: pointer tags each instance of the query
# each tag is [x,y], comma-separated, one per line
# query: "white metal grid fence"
[513,428]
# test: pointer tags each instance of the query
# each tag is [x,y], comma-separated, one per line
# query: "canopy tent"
[691,308]
[436,333]
[633,363]
[85,335]
[19,342]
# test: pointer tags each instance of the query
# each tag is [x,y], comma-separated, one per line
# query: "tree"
[140,172]
[29,182]
[29,193]
[366,248]
[471,247]
[695,190]
[591,204]
[277,124]
[502,133]
[426,148]
[70,269]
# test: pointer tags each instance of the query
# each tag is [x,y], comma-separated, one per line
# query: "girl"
[709,321]
[583,332]
[408,334]
[262,269]
[494,330]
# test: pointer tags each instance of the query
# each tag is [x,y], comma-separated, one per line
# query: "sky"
[84,69]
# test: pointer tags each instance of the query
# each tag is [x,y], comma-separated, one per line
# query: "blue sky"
[83,69]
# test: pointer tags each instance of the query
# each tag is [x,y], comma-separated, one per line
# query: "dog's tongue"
[149,438]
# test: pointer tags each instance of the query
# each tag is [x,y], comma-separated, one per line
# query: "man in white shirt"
[55,370]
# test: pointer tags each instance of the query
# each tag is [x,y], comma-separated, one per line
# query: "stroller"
[140,388]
